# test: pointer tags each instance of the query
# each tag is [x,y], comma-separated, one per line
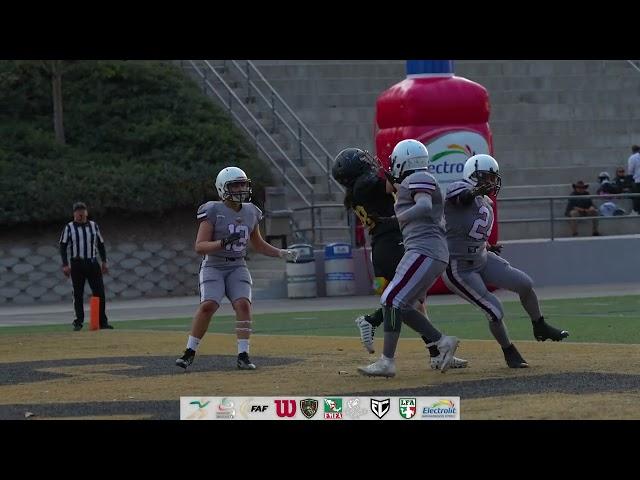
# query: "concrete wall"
[577,261]
[574,261]
[31,275]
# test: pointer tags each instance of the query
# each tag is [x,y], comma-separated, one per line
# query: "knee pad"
[392,319]
[379,284]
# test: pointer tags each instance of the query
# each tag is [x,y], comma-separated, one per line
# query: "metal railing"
[250,72]
[230,104]
[211,79]
[632,63]
[316,229]
[552,218]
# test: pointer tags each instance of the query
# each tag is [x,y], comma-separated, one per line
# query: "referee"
[83,237]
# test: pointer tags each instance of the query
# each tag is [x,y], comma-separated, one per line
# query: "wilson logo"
[286,408]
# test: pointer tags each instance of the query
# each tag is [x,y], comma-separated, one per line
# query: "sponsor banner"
[320,408]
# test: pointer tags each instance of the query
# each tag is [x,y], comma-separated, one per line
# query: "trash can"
[301,275]
[338,268]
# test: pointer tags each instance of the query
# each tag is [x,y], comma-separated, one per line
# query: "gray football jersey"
[226,221]
[468,227]
[425,235]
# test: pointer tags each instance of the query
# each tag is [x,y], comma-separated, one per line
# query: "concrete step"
[333,70]
[535,190]
[541,67]
[606,225]
[529,83]
[534,209]
[513,176]
[574,141]
[564,126]
[500,98]
[261,63]
[290,86]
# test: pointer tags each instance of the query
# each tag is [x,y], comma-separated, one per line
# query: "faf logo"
[407,407]
[249,408]
[380,407]
[309,407]
[333,408]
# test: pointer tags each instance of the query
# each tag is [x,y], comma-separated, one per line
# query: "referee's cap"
[79,206]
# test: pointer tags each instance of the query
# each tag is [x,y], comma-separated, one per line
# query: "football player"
[226,227]
[366,195]
[473,264]
[419,213]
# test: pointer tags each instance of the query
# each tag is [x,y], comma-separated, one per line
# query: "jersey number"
[480,229]
[364,217]
[241,243]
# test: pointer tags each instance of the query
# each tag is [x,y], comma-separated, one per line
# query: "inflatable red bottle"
[449,114]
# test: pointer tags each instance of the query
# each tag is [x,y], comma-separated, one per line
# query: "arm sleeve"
[421,208]
[63,254]
[64,240]
[203,213]
[101,249]
[259,214]
[99,235]
[459,193]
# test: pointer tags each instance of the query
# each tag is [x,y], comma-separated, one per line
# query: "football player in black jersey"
[357,171]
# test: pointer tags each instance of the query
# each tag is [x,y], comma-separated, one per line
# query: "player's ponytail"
[348,198]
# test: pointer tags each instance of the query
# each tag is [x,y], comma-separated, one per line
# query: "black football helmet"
[350,164]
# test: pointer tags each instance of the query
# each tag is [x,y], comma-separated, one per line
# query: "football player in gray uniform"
[357,171]
[419,212]
[226,227]
[469,217]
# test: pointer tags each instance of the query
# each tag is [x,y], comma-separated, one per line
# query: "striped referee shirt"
[83,239]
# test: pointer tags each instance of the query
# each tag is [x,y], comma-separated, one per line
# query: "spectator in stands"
[622,181]
[633,168]
[606,185]
[581,207]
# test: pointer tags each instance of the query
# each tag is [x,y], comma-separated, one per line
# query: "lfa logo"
[407,407]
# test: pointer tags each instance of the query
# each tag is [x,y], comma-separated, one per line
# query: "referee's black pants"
[87,269]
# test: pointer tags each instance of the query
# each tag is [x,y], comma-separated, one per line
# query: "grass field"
[601,319]
[129,372]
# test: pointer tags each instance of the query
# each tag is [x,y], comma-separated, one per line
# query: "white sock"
[193,343]
[243,345]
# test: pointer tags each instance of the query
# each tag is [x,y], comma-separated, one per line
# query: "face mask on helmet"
[238,191]
[488,178]
[352,163]
[482,169]
[232,184]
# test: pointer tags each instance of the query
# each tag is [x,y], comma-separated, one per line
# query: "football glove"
[234,237]
[497,248]
[290,255]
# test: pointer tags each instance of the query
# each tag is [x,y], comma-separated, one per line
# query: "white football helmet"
[408,156]
[229,176]
[483,169]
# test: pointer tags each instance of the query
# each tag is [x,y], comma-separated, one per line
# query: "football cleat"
[543,331]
